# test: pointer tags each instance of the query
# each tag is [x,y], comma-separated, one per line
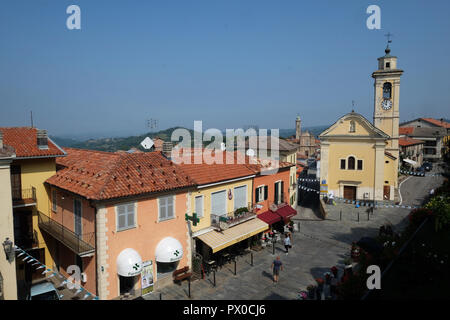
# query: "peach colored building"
[123,217]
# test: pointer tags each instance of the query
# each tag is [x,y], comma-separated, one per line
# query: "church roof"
[374,131]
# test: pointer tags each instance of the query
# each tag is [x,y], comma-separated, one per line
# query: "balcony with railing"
[82,245]
[23,197]
[233,218]
[26,240]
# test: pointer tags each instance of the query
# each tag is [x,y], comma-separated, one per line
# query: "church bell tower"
[387,99]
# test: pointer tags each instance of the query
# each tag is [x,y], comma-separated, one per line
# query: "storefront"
[129,267]
[236,237]
[168,254]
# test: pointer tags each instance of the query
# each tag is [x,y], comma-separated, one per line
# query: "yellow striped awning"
[219,240]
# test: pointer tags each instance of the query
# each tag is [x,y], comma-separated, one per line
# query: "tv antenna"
[152,124]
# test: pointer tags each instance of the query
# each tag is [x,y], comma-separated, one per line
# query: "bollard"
[251,259]
[214,277]
[234,267]
[358,216]
[368,216]
[340,215]
[273,247]
[189,287]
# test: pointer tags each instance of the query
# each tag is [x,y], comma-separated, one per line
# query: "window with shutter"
[219,203]
[199,206]
[360,164]
[126,218]
[240,197]
[166,208]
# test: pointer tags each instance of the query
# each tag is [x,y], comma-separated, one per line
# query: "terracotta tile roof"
[407,141]
[204,173]
[100,175]
[24,142]
[437,122]
[405,130]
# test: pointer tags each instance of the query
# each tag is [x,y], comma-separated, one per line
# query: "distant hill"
[126,143]
[115,144]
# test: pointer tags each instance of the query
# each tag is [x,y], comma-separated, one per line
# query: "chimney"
[167,148]
[42,139]
[1,140]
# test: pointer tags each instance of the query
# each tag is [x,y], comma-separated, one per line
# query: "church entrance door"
[350,192]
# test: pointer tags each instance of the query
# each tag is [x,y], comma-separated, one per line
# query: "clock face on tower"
[386,104]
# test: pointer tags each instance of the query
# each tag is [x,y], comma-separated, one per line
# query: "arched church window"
[387,90]
[352,126]
[351,163]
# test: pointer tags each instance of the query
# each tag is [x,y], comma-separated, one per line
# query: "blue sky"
[229,63]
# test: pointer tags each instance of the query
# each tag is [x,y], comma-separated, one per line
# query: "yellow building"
[222,203]
[8,282]
[360,160]
[34,163]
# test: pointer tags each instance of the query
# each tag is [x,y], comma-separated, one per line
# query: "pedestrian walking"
[333,282]
[277,265]
[287,243]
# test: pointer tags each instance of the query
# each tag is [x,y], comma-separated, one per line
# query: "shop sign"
[147,277]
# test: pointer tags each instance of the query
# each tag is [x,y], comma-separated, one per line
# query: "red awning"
[286,212]
[269,217]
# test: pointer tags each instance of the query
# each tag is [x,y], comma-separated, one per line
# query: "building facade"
[35,161]
[360,160]
[125,212]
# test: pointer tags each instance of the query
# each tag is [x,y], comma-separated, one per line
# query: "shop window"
[351,163]
[166,210]
[166,268]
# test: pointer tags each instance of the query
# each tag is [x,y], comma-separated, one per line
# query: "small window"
[166,210]
[360,164]
[387,182]
[387,161]
[351,163]
[343,164]
[199,206]
[126,216]
[54,200]
[388,65]
[387,89]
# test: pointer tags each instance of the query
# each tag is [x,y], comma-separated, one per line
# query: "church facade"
[359,159]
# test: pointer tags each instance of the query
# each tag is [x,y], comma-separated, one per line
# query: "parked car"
[427,166]
[44,291]
[421,170]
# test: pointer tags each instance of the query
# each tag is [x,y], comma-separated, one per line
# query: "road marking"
[400,190]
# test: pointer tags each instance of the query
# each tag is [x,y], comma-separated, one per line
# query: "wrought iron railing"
[233,218]
[80,244]
[23,194]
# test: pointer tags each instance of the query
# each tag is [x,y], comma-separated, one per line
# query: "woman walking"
[287,243]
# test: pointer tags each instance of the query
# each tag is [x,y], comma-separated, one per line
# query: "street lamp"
[8,247]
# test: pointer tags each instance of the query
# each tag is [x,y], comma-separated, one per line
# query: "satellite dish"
[147,143]
[250,153]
